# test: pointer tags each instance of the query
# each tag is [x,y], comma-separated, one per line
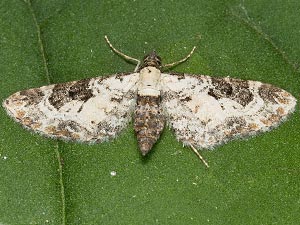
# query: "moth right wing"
[89,110]
[205,111]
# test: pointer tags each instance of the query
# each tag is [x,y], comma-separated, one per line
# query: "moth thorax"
[148,122]
[149,82]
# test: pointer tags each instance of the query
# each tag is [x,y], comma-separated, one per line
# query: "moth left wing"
[89,110]
[204,111]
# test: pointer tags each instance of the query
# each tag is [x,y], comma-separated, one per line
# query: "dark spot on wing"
[66,92]
[32,96]
[237,90]
[186,99]
[234,126]
[269,93]
[117,99]
[69,125]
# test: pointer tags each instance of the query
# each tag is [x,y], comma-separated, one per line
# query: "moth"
[202,111]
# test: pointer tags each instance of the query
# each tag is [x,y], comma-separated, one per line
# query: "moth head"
[152,59]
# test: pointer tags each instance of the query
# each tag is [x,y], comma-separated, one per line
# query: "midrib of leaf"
[248,21]
[56,147]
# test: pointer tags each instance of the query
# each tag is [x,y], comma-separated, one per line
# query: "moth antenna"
[126,57]
[180,61]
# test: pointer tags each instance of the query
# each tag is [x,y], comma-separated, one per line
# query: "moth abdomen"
[148,121]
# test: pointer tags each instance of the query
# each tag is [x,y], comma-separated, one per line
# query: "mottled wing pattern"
[204,111]
[89,110]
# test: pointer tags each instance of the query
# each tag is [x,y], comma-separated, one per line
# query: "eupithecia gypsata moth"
[202,111]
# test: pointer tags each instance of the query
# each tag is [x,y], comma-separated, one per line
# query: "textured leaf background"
[44,181]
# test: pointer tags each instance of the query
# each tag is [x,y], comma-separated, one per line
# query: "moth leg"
[180,61]
[126,57]
[199,156]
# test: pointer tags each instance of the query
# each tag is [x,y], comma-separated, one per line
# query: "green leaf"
[44,181]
